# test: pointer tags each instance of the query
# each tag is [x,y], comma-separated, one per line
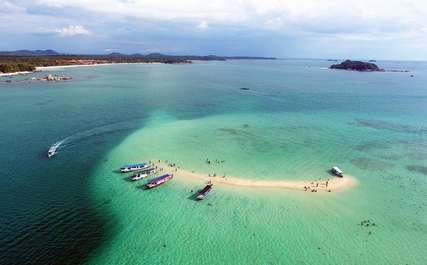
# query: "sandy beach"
[56,67]
[15,73]
[47,68]
[326,184]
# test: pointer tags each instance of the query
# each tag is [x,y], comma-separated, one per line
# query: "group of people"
[173,165]
[216,161]
[315,186]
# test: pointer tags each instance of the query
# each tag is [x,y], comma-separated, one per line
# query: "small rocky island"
[53,78]
[357,66]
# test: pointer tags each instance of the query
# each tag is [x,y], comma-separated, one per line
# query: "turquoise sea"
[296,121]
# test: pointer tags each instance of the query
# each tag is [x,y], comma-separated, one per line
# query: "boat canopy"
[159,178]
[336,169]
[134,165]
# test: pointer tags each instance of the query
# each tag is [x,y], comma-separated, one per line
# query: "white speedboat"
[138,176]
[53,149]
[337,171]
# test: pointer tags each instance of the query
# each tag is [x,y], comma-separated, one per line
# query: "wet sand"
[325,184]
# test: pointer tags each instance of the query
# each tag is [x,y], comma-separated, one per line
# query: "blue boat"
[134,167]
[159,181]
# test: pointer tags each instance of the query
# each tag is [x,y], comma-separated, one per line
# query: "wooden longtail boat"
[204,192]
[159,181]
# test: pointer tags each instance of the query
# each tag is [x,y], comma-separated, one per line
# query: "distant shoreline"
[22,62]
[55,67]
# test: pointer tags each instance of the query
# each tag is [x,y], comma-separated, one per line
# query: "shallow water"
[295,122]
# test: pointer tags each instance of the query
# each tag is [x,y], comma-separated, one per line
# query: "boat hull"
[337,172]
[53,149]
[133,168]
[158,181]
[138,177]
[204,192]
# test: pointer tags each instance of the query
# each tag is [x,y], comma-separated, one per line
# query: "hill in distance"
[29,53]
[50,52]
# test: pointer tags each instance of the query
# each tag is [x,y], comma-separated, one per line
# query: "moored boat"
[138,176]
[134,167]
[159,181]
[204,192]
[149,170]
[142,174]
[337,171]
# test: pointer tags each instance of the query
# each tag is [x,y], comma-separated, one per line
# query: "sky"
[362,29]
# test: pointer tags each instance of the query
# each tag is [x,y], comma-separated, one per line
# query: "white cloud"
[8,7]
[382,24]
[367,16]
[72,30]
[237,10]
[203,25]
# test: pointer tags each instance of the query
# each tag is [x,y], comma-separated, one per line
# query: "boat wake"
[79,137]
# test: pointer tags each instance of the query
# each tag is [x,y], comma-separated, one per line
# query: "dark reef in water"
[371,146]
[418,169]
[357,66]
[234,131]
[384,125]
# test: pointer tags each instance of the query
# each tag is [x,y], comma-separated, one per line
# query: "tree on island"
[16,67]
[357,66]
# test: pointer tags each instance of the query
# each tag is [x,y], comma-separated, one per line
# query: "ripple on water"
[29,233]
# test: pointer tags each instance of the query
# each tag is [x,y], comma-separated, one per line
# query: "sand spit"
[327,184]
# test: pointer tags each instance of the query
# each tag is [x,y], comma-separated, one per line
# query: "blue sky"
[379,29]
